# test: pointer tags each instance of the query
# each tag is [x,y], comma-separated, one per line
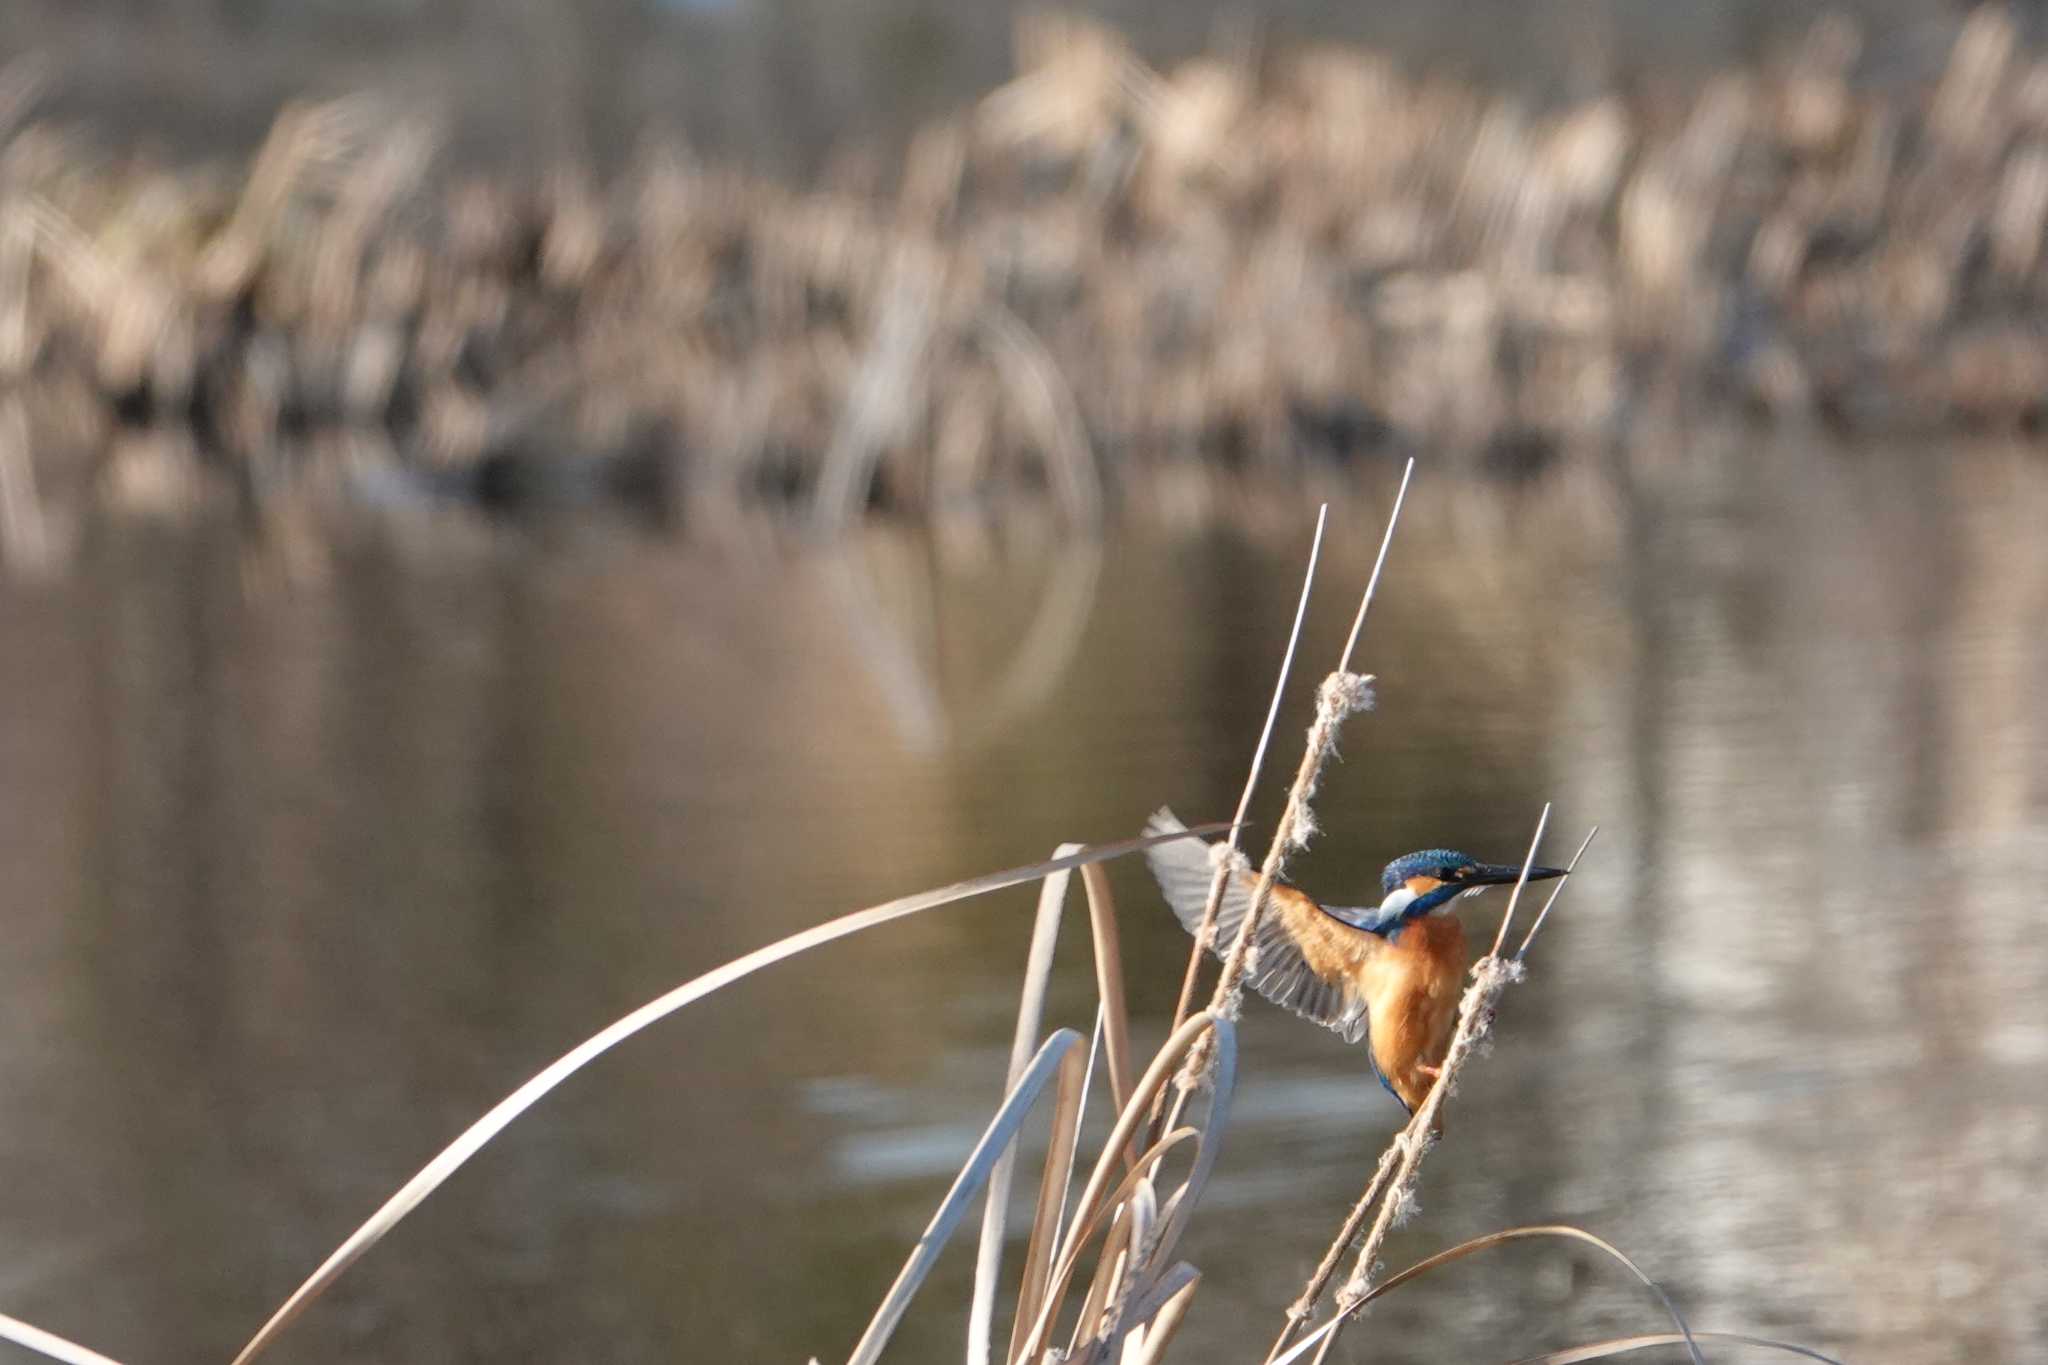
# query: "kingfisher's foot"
[1433,1072]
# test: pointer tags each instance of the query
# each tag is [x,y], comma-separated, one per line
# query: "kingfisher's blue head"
[1417,884]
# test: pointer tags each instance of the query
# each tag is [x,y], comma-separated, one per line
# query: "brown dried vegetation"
[1241,265]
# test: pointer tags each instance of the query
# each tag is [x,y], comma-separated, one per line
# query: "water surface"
[301,876]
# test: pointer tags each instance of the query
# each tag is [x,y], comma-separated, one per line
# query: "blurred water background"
[312,850]
[300,881]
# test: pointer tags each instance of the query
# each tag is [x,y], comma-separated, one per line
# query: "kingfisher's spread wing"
[1307,958]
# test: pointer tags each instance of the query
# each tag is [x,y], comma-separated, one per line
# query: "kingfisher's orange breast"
[1412,987]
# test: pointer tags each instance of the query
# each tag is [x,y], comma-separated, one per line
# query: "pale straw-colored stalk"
[472,1140]
[987,1154]
[1342,694]
[1226,866]
[1321,1339]
[49,1343]
[988,1264]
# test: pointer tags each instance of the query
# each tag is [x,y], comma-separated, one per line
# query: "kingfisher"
[1390,973]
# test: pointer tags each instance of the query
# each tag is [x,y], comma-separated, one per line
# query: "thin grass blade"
[1555,892]
[454,1156]
[1052,1194]
[1379,562]
[1087,1212]
[1109,982]
[1087,1088]
[1601,1350]
[988,1263]
[1083,1232]
[1109,1268]
[49,1343]
[1494,1239]
[1515,896]
[1165,1324]
[995,1140]
[1197,950]
[1223,1089]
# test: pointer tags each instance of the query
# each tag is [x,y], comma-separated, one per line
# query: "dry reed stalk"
[1045,931]
[993,1147]
[1342,694]
[1555,892]
[1226,862]
[1100,1200]
[1109,983]
[1322,1338]
[49,1343]
[1052,1195]
[1319,1280]
[1120,1247]
[1105,1214]
[1113,1031]
[1059,1224]
[451,1158]
[1602,1350]
[1165,1323]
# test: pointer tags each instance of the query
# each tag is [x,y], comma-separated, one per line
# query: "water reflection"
[299,880]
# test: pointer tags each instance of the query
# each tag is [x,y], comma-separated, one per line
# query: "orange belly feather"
[1413,985]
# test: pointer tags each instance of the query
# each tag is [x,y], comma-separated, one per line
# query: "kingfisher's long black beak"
[1500,874]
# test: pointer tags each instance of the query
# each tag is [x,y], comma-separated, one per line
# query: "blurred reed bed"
[1102,280]
[1100,1279]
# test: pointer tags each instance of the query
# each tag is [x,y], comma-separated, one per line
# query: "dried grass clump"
[1100,1280]
[1246,265]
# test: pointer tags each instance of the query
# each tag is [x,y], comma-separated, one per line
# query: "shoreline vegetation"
[1263,266]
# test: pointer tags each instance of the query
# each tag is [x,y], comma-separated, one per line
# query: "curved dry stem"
[472,1139]
[1120,1249]
[1165,1323]
[1082,1233]
[981,1163]
[49,1343]
[1088,1212]
[1174,1213]
[1326,1333]
[1052,1194]
[1109,983]
[988,1262]
[1614,1346]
